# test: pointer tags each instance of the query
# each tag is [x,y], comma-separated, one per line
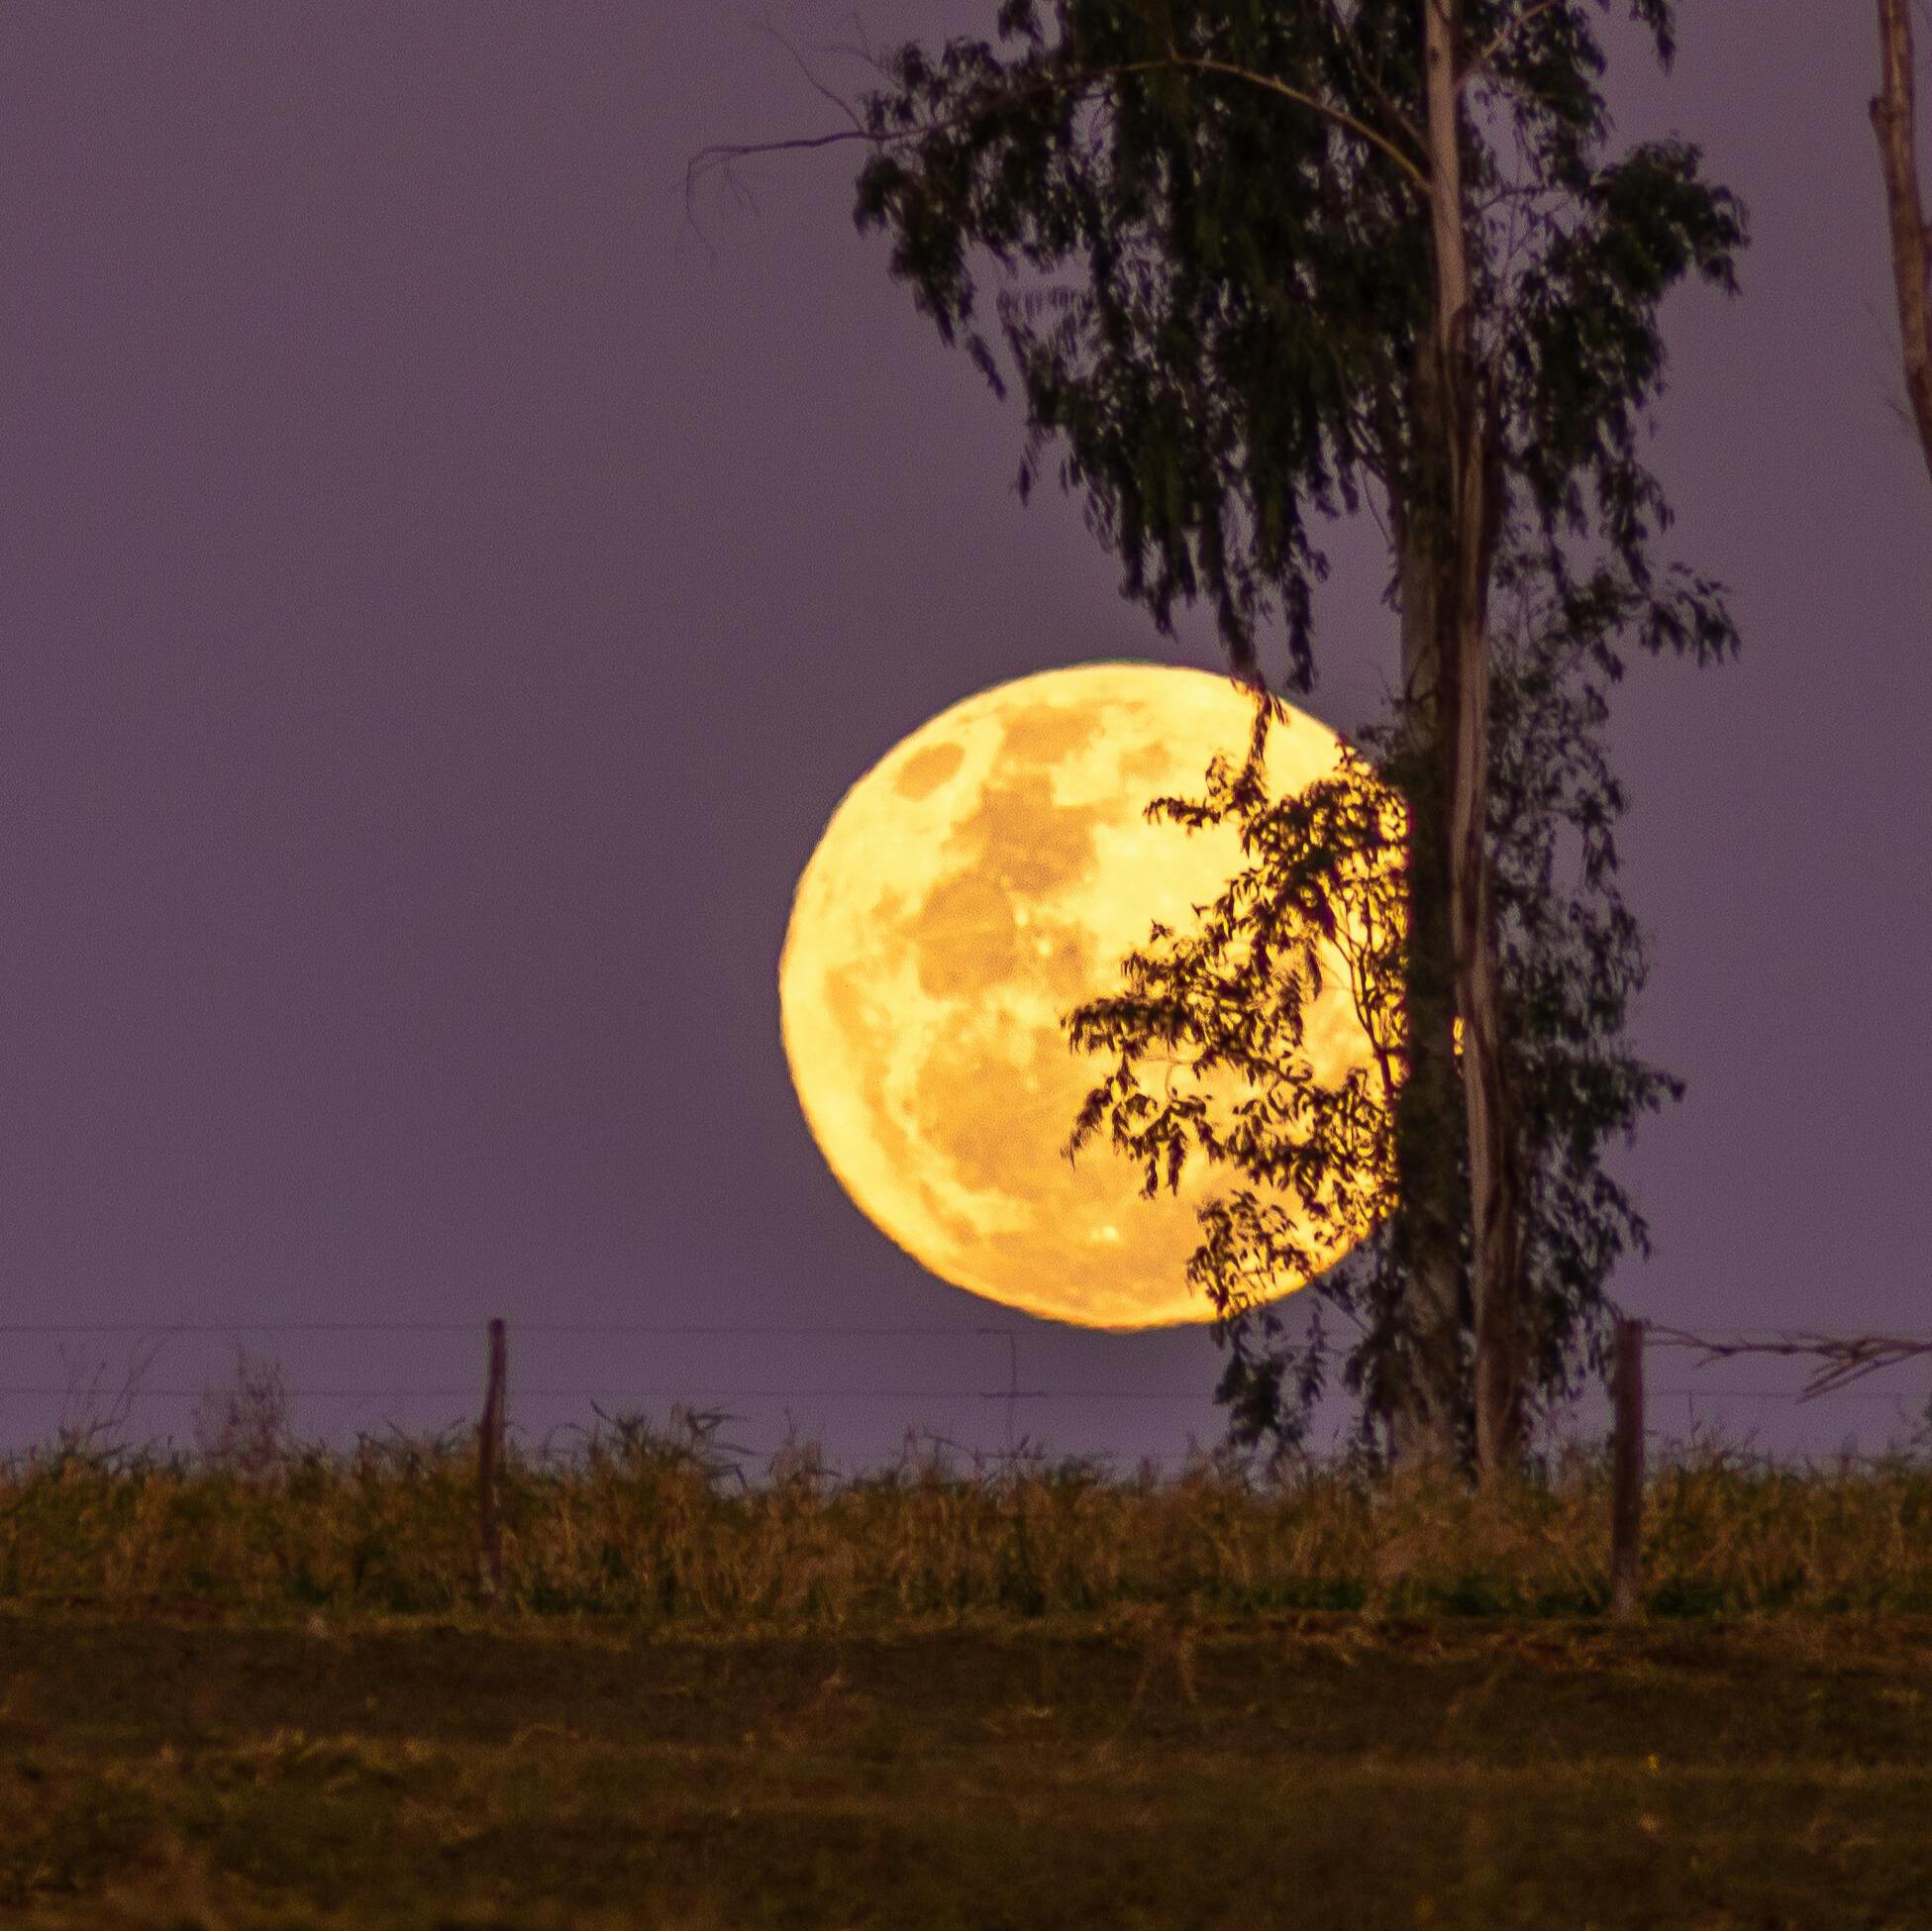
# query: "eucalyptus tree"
[1264,260]
[1266,263]
[1894,121]
[1326,875]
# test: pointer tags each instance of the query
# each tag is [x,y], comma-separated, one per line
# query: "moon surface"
[985,878]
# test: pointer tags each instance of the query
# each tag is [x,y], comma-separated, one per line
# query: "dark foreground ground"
[1318,1770]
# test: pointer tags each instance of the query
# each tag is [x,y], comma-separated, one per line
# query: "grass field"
[653,1528]
[263,1689]
[1139,1770]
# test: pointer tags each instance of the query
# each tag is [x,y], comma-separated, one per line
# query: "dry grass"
[254,1687]
[654,1527]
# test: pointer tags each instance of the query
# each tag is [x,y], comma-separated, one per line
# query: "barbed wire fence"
[685,1394]
[258,1424]
[1841,1361]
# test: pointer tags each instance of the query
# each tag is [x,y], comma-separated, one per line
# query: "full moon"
[986,877]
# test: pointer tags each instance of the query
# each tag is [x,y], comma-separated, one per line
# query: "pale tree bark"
[1466,503]
[1445,526]
[1425,1398]
[1893,120]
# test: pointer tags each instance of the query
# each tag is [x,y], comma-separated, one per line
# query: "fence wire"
[1842,1360]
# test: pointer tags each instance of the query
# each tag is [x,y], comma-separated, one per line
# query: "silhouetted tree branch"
[1893,120]
[1325,877]
[1844,1360]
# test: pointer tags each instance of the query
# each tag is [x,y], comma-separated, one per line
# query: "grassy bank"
[658,1529]
[255,1686]
[1123,1772]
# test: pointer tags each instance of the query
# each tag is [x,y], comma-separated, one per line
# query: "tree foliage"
[1323,885]
[1257,270]
[1212,286]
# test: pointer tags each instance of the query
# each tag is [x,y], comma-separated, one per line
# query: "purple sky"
[443,603]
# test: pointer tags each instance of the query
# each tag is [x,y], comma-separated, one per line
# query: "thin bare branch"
[1893,121]
[1341,118]
[740,150]
[812,80]
[723,153]
[1843,1359]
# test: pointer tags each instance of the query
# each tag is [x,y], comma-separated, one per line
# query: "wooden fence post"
[1627,1471]
[490,1456]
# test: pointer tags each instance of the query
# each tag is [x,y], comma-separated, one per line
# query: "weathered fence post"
[490,1456]
[1627,1470]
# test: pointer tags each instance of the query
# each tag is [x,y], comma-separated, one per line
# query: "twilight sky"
[444,596]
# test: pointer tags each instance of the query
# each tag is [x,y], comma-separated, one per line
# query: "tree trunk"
[1464,507]
[1893,120]
[1425,1405]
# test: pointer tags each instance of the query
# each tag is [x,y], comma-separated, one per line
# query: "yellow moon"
[986,877]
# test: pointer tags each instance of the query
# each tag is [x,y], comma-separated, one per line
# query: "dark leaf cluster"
[1205,222]
[1325,878]
[1204,227]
